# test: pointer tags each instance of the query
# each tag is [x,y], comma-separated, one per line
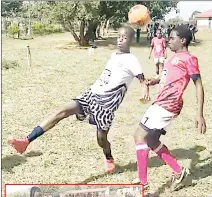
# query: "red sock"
[142,152]
[163,152]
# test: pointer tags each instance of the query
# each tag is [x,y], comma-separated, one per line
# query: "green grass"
[69,152]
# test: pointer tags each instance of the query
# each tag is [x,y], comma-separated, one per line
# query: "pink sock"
[142,152]
[163,152]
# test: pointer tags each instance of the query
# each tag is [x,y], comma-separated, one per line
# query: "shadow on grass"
[9,162]
[177,153]
[197,173]
[193,154]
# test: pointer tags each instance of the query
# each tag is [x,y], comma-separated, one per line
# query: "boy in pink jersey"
[158,45]
[176,74]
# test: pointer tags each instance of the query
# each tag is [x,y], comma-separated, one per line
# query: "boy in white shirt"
[101,100]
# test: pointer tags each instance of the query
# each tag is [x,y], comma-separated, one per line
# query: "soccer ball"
[139,15]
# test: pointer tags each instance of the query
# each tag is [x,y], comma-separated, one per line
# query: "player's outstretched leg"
[105,145]
[21,144]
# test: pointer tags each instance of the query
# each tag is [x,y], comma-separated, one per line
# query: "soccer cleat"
[110,166]
[177,179]
[137,181]
[20,145]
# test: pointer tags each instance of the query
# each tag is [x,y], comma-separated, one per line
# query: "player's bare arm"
[150,53]
[145,87]
[165,52]
[200,121]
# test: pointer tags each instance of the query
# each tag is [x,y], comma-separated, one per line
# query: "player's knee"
[140,135]
[152,138]
[67,110]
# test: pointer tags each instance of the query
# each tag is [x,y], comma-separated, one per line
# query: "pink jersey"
[159,45]
[174,80]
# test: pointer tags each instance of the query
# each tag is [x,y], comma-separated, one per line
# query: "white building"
[204,20]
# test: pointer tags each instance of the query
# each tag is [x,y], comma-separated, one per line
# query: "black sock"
[37,131]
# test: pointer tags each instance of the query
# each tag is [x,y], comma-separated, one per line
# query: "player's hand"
[200,124]
[148,82]
[146,93]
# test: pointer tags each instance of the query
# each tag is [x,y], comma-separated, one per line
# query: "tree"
[91,14]
[83,18]
[10,8]
[175,20]
[49,189]
[193,15]
[74,14]
[117,12]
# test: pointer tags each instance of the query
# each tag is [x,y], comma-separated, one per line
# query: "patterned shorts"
[100,108]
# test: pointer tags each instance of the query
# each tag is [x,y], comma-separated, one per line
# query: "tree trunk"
[103,28]
[29,24]
[107,26]
[81,39]
[18,34]
[71,28]
[98,31]
[95,29]
[89,32]
[82,29]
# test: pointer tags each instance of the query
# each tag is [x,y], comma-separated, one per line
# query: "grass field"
[69,152]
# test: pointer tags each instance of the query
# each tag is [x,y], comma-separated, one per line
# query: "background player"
[158,45]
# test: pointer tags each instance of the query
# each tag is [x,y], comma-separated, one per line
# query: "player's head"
[158,33]
[125,37]
[180,38]
[35,192]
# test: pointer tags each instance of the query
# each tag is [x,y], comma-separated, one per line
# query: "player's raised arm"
[152,46]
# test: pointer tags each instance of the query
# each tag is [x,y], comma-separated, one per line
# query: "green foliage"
[41,29]
[37,28]
[69,12]
[175,20]
[117,12]
[10,8]
[8,64]
[84,16]
[49,189]
[13,29]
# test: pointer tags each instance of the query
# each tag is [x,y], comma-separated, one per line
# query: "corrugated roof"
[206,14]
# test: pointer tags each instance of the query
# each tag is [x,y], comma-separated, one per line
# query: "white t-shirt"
[120,69]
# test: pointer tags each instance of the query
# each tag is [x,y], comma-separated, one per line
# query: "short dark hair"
[184,32]
[129,30]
